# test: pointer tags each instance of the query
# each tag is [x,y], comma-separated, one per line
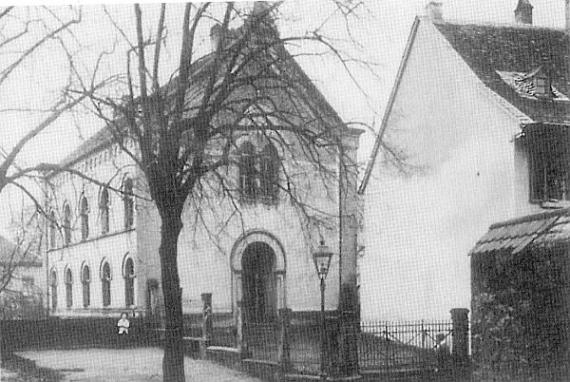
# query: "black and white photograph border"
[324,190]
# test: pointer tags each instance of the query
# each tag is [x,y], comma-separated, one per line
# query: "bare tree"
[20,264]
[25,33]
[188,130]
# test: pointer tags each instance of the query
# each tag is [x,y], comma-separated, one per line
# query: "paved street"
[126,365]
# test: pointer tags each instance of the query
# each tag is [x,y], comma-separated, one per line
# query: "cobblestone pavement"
[126,365]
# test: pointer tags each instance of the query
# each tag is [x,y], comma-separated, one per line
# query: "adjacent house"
[479,113]
[103,240]
[21,278]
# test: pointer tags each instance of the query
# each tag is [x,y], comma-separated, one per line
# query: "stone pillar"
[347,344]
[460,344]
[284,346]
[241,338]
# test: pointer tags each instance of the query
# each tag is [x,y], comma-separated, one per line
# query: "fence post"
[284,346]
[460,344]
[423,335]
[241,338]
[348,343]
[207,324]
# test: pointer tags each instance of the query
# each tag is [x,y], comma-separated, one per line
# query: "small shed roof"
[539,230]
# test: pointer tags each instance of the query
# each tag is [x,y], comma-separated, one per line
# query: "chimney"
[523,12]
[262,19]
[434,10]
[215,34]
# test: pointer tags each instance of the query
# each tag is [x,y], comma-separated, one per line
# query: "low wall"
[71,333]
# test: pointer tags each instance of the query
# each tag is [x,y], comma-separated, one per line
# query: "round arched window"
[106,283]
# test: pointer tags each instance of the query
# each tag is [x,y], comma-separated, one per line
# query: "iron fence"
[262,340]
[305,348]
[403,345]
[381,346]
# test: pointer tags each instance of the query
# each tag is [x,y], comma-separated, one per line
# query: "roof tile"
[492,49]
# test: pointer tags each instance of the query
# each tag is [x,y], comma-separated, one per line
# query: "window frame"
[128,202]
[104,202]
[52,230]
[67,224]
[247,173]
[269,174]
[129,279]
[84,217]
[68,278]
[85,285]
[106,284]
[53,288]
[548,166]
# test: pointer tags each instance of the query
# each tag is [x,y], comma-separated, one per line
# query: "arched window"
[104,210]
[52,230]
[68,288]
[67,224]
[129,273]
[269,173]
[128,201]
[85,282]
[53,287]
[106,283]
[84,214]
[247,172]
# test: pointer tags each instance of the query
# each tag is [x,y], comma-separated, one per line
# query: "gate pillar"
[460,344]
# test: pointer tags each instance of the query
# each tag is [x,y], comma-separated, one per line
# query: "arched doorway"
[259,283]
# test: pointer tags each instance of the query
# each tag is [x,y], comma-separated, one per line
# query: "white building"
[103,241]
[481,110]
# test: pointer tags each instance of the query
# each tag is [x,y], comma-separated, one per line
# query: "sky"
[381,34]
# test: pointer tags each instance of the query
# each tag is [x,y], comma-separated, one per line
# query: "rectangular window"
[549,164]
[540,86]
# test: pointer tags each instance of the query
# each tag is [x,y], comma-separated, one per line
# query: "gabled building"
[103,239]
[481,111]
[21,279]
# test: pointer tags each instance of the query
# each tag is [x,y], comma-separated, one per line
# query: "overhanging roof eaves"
[515,235]
[389,106]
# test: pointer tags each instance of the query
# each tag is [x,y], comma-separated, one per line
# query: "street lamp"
[322,258]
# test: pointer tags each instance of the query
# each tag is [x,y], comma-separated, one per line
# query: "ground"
[120,365]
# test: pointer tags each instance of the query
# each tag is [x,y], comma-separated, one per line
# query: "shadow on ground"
[25,370]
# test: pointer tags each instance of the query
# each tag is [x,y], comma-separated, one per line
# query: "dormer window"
[535,85]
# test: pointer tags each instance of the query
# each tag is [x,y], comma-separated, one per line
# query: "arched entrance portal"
[258,264]
[258,283]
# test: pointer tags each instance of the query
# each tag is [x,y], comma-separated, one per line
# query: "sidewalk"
[126,365]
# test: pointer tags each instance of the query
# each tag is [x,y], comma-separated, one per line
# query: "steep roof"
[104,137]
[199,73]
[541,230]
[501,56]
[495,52]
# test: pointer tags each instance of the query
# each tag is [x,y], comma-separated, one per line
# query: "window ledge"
[551,203]
[70,245]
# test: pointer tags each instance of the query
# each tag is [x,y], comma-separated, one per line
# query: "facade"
[104,238]
[479,112]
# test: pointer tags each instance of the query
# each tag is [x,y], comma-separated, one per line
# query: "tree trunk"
[173,361]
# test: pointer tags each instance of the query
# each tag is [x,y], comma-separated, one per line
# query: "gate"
[404,346]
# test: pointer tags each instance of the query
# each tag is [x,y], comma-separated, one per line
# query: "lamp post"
[322,258]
